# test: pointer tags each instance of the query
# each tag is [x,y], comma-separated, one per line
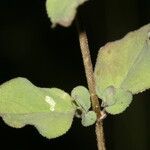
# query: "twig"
[91,85]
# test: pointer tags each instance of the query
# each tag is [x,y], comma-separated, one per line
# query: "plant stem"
[84,46]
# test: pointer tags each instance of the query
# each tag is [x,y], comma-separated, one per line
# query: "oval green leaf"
[88,118]
[51,111]
[125,65]
[81,96]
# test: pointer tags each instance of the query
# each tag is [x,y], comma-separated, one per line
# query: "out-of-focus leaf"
[62,11]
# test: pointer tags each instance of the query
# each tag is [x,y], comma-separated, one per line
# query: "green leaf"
[62,12]
[88,118]
[51,110]
[115,102]
[108,96]
[125,65]
[81,96]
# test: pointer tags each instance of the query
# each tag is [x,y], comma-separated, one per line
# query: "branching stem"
[84,46]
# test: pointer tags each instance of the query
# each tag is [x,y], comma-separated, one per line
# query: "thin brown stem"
[84,46]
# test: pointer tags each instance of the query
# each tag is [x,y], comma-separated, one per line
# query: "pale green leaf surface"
[108,96]
[125,64]
[88,118]
[81,96]
[120,100]
[51,110]
[62,11]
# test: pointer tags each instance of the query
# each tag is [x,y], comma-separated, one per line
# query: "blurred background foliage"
[51,58]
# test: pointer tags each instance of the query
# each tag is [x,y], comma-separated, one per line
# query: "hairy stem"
[84,46]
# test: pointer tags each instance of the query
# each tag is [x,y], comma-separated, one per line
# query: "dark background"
[51,58]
